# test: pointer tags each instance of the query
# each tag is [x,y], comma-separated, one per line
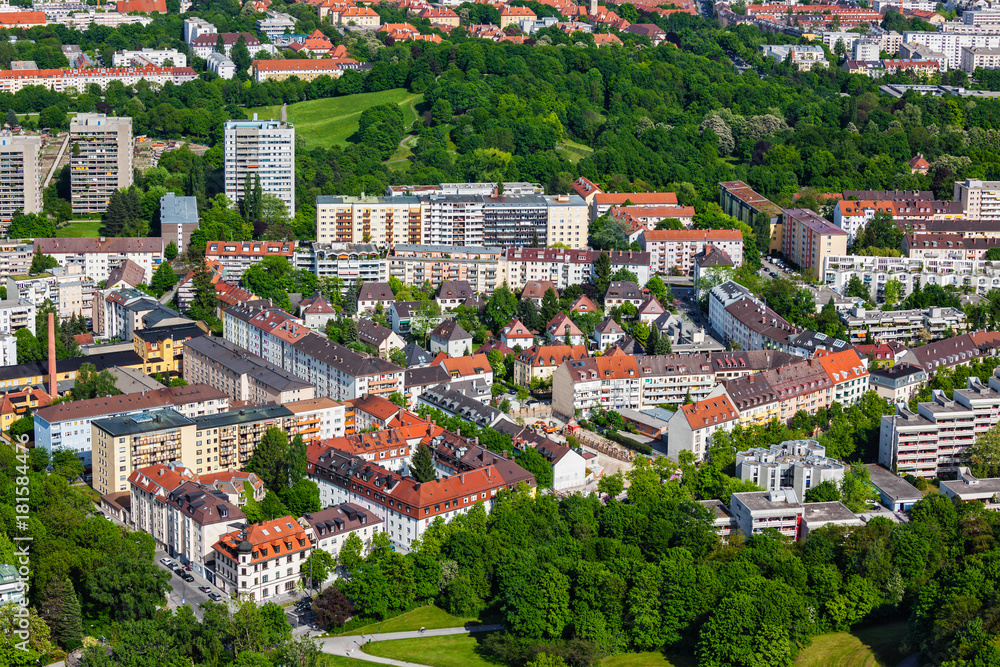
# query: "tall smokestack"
[52,355]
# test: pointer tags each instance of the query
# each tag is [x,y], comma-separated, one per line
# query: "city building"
[672,252]
[122,444]
[931,442]
[969,488]
[808,239]
[150,58]
[479,266]
[624,291]
[221,64]
[371,295]
[236,257]
[894,492]
[874,272]
[740,201]
[979,199]
[539,362]
[883,326]
[20,176]
[803,57]
[67,425]
[450,338]
[950,44]
[381,338]
[454,293]
[240,374]
[329,528]
[797,464]
[62,80]
[305,70]
[384,222]
[317,310]
[951,352]
[264,149]
[178,219]
[347,261]
[100,160]
[897,384]
[203,44]
[756,511]
[162,348]
[183,516]
[317,419]
[692,426]
[98,257]
[261,560]
[455,403]
[608,382]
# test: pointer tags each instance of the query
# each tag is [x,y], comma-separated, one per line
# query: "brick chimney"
[52,355]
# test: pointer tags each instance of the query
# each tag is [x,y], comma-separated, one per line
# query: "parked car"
[179,571]
[165,561]
[215,596]
[204,589]
[187,577]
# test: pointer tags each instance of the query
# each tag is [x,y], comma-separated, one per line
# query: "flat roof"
[144,422]
[892,484]
[828,512]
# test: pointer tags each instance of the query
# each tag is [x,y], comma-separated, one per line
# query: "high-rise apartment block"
[264,148]
[20,176]
[980,199]
[100,160]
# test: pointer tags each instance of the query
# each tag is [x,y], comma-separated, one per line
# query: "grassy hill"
[323,123]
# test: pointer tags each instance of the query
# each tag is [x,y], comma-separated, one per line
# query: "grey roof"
[645,418]
[243,362]
[371,333]
[376,292]
[426,376]
[833,511]
[713,256]
[456,403]
[624,289]
[608,326]
[417,356]
[406,308]
[181,332]
[144,422]
[340,519]
[242,416]
[892,485]
[203,504]
[343,359]
[450,330]
[174,209]
[448,249]
[456,289]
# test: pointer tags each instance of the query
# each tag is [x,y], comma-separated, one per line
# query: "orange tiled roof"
[475,364]
[269,539]
[637,198]
[706,235]
[710,412]
[22,18]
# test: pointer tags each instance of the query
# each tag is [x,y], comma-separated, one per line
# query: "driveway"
[351,646]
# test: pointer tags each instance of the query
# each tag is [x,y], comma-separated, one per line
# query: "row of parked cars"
[183,571]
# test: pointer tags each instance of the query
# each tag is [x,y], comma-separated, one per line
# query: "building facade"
[100,160]
[264,149]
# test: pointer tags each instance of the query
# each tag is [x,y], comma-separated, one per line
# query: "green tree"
[550,305]
[332,608]
[41,263]
[270,459]
[612,485]
[823,492]
[298,498]
[31,226]
[423,464]
[164,278]
[350,556]
[500,309]
[531,460]
[128,584]
[91,384]
[240,55]
[60,608]
[297,461]
[170,252]
[984,454]
[318,567]
[602,273]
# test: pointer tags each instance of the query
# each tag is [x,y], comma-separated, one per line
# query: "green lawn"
[575,151]
[430,617]
[649,659]
[332,120]
[342,661]
[876,646]
[91,228]
[448,651]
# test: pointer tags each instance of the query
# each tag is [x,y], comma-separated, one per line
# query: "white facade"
[874,272]
[144,57]
[221,65]
[950,44]
[195,27]
[261,148]
[20,176]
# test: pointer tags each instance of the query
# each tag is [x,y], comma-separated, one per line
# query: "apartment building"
[178,219]
[330,528]
[691,428]
[750,325]
[720,298]
[796,464]
[334,370]
[68,425]
[382,221]
[232,437]
[948,246]
[261,560]
[149,57]
[561,329]
[203,42]
[807,385]
[563,268]
[609,382]
[539,362]
[348,261]
[317,419]
[808,239]
[897,384]
[743,203]
[979,199]
[220,64]
[236,257]
[99,256]
[951,44]
[407,507]
[381,338]
[567,221]
[969,488]
[241,375]
[931,441]
[756,511]
[123,312]
[264,149]
[852,215]
[122,444]
[453,220]
[883,326]
[100,160]
[62,80]
[305,70]
[68,291]
[20,177]
[603,202]
[874,272]
[184,516]
[455,403]
[15,258]
[672,252]
[449,337]
[15,312]
[480,266]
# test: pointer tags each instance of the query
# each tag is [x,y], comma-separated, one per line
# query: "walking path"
[55,164]
[351,646]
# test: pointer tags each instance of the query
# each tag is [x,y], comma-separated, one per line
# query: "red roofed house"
[361,17]
[262,560]
[605,39]
[672,251]
[692,426]
[561,326]
[144,6]
[918,165]
[21,19]
[541,361]
[475,366]
[586,188]
[371,410]
[440,15]
[583,305]
[316,311]
[515,15]
[317,43]
[515,334]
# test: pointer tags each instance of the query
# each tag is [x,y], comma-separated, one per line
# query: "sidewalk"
[351,646]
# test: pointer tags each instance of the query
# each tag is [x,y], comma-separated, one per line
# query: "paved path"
[351,646]
[55,164]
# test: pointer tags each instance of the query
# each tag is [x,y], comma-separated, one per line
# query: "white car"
[165,561]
